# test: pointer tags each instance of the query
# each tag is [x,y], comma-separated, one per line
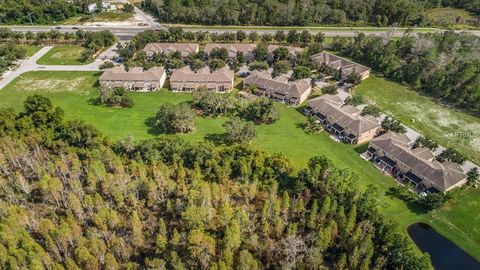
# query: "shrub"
[239,131]
[175,118]
[107,64]
[261,111]
[330,89]
[115,97]
[371,110]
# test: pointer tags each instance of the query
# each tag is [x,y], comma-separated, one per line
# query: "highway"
[127,32]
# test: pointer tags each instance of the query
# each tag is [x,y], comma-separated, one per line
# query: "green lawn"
[447,126]
[63,55]
[75,92]
[30,49]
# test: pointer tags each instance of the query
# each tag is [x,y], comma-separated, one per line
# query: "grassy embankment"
[75,92]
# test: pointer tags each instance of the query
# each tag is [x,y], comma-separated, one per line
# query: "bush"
[473,176]
[216,64]
[175,118]
[425,142]
[261,111]
[427,202]
[371,110]
[239,131]
[106,65]
[115,97]
[258,66]
[355,100]
[389,124]
[212,103]
[301,72]
[451,155]
[330,89]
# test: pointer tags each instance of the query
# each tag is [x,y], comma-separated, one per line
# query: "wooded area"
[72,199]
[304,12]
[36,11]
[445,66]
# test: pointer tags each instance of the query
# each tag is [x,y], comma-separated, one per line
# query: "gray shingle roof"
[185,74]
[444,175]
[339,62]
[133,74]
[278,85]
[167,48]
[231,48]
[292,50]
[346,116]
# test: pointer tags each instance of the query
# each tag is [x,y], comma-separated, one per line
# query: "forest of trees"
[71,198]
[445,65]
[36,11]
[302,12]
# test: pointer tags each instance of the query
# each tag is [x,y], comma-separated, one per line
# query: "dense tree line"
[444,65]
[36,11]
[290,12]
[88,39]
[72,199]
[305,12]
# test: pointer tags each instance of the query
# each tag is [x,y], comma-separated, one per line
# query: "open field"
[458,220]
[63,55]
[449,127]
[453,18]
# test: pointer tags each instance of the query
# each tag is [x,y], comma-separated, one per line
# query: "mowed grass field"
[63,55]
[75,93]
[447,126]
[30,49]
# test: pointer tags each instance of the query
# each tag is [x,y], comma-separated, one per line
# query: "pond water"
[445,255]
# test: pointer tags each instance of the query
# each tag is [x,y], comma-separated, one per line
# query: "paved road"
[127,32]
[30,64]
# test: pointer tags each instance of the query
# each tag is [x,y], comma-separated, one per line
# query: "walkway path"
[30,64]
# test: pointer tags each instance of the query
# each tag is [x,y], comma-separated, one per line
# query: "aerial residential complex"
[134,79]
[342,120]
[392,153]
[346,66]
[185,49]
[278,88]
[186,80]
